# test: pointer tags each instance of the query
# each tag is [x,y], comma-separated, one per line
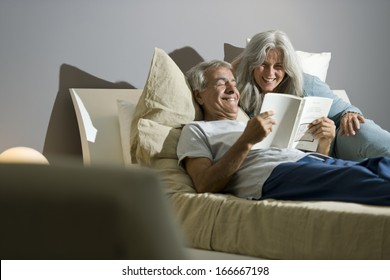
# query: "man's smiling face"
[220,98]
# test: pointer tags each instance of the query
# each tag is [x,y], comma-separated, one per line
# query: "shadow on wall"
[231,52]
[62,135]
[185,58]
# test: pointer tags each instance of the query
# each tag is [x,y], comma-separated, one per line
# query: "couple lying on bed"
[217,152]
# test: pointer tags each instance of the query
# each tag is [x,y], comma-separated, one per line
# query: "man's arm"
[209,177]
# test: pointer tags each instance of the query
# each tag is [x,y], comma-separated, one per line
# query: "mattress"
[274,229]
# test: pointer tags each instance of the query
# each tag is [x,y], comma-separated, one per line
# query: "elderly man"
[219,155]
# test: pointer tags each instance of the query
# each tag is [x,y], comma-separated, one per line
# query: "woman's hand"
[323,129]
[350,122]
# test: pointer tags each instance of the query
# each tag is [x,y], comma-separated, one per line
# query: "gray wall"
[49,45]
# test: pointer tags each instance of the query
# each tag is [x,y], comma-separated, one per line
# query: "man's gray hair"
[196,75]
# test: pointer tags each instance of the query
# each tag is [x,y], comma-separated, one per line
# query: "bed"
[137,128]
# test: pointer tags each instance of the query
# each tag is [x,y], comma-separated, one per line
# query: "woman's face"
[271,73]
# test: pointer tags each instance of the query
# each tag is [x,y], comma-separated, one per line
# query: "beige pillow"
[166,99]
[156,141]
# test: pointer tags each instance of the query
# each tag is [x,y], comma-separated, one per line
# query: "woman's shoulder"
[313,84]
[309,79]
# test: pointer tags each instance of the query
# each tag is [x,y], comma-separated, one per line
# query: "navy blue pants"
[329,179]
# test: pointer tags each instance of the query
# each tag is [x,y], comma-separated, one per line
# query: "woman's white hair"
[254,55]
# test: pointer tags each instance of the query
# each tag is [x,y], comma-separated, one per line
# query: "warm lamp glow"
[22,155]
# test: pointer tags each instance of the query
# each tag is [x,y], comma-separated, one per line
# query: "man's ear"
[198,97]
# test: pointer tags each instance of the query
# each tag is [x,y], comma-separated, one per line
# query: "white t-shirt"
[212,139]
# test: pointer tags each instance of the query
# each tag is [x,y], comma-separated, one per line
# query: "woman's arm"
[346,116]
[313,86]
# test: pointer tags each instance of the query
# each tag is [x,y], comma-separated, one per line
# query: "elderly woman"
[269,64]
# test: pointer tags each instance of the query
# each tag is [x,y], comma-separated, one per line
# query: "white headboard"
[97,118]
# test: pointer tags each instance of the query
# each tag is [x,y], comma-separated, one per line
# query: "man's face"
[220,98]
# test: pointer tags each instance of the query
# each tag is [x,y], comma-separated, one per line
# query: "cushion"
[316,64]
[165,106]
[166,99]
[156,141]
[125,113]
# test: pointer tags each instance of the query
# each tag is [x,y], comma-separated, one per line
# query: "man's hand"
[350,122]
[323,129]
[259,127]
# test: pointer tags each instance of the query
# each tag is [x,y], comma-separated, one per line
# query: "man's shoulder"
[215,123]
[218,125]
[194,124]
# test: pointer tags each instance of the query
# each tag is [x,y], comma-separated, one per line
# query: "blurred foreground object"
[22,155]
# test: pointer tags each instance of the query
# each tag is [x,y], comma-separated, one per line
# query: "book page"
[285,107]
[313,108]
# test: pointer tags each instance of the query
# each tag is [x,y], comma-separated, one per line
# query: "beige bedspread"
[284,229]
[276,229]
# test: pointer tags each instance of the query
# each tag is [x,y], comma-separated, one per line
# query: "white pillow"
[125,113]
[315,64]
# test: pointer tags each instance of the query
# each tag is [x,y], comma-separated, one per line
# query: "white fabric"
[125,113]
[102,109]
[315,64]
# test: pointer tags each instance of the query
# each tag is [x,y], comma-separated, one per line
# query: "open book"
[293,116]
